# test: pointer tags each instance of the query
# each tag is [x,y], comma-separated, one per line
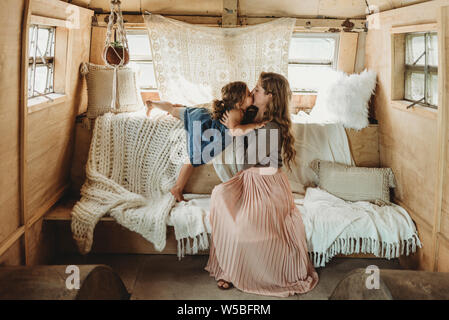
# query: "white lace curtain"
[192,63]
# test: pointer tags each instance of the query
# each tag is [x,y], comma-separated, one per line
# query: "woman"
[258,237]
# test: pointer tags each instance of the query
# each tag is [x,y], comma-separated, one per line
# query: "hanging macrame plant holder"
[115,53]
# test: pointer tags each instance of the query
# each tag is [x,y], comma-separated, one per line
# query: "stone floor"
[153,277]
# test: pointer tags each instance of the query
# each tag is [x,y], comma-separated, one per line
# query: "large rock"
[394,285]
[49,283]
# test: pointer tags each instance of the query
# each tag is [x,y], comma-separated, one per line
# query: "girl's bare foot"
[149,105]
[177,193]
[163,105]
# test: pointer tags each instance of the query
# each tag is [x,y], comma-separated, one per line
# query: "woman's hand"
[232,118]
[261,124]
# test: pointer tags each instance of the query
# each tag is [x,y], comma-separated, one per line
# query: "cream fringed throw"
[334,226]
[133,162]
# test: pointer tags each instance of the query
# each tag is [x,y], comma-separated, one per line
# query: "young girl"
[236,101]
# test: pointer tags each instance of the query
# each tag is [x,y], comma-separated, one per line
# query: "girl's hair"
[278,111]
[231,94]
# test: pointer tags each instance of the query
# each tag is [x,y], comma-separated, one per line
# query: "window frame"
[61,63]
[426,69]
[397,69]
[333,64]
[45,60]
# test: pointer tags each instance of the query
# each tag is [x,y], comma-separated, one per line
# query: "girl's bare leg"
[177,109]
[173,109]
[149,107]
[183,178]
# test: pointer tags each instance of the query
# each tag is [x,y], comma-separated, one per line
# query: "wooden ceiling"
[253,8]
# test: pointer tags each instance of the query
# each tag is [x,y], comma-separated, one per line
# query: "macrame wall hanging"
[115,53]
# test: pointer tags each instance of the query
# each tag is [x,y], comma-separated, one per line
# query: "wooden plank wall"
[347,51]
[441,221]
[408,140]
[10,49]
[282,8]
[50,131]
[47,133]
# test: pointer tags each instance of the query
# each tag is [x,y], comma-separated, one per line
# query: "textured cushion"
[315,141]
[354,183]
[99,90]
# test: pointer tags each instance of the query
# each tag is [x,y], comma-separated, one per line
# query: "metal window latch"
[415,102]
[416,61]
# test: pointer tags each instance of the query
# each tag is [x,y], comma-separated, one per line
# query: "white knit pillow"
[354,183]
[99,90]
[344,99]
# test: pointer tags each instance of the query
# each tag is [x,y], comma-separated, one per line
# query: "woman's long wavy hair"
[278,111]
[231,94]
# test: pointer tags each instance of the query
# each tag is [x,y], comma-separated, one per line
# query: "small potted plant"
[115,52]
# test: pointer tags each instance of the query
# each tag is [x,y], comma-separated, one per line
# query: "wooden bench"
[110,237]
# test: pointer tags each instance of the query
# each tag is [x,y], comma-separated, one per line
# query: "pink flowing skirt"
[258,237]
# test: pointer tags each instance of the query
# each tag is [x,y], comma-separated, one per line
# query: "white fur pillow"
[344,99]
[99,90]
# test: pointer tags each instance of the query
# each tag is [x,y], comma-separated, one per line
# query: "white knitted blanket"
[133,162]
[335,226]
[190,220]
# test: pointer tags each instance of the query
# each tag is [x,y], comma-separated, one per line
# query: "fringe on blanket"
[366,245]
[200,242]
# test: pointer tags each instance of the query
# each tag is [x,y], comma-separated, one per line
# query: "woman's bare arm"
[242,129]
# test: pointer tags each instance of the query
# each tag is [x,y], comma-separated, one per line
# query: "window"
[421,68]
[41,60]
[47,80]
[414,69]
[310,57]
[140,59]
